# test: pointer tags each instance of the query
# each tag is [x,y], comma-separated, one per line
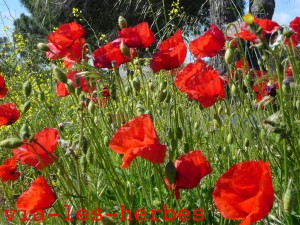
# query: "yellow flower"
[248,18]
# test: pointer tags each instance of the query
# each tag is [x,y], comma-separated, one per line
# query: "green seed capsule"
[107,221]
[229,55]
[170,171]
[163,95]
[24,132]
[229,139]
[287,199]
[26,107]
[136,84]
[83,163]
[70,86]
[11,143]
[179,133]
[27,88]
[84,145]
[60,75]
[91,107]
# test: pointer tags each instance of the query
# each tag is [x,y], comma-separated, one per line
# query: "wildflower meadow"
[131,132]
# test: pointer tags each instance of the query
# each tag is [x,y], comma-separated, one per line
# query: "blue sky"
[285,11]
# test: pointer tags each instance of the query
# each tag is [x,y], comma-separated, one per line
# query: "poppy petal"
[38,197]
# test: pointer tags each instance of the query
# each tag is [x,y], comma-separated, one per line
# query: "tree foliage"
[101,16]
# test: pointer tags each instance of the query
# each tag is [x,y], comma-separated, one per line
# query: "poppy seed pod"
[170,171]
[27,88]
[11,143]
[59,74]
[125,50]
[70,86]
[43,47]
[26,107]
[229,54]
[24,132]
[136,84]
[122,22]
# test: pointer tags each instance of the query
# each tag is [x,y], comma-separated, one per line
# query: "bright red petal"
[171,55]
[209,44]
[8,171]
[245,192]
[138,138]
[39,153]
[8,114]
[38,197]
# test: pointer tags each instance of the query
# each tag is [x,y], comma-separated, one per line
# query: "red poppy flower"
[37,198]
[139,36]
[40,152]
[245,192]
[200,83]
[242,64]
[105,55]
[3,89]
[171,55]
[8,114]
[8,171]
[267,25]
[190,169]
[62,91]
[209,44]
[247,35]
[295,24]
[138,138]
[292,41]
[66,34]
[67,42]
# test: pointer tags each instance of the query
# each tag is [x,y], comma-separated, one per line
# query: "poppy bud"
[43,47]
[179,133]
[297,104]
[84,144]
[59,74]
[229,54]
[217,121]
[125,49]
[91,107]
[107,221]
[26,107]
[286,87]
[229,139]
[163,85]
[140,110]
[27,88]
[170,171]
[106,141]
[83,163]
[70,86]
[233,90]
[11,143]
[163,95]
[24,132]
[151,86]
[122,22]
[89,157]
[170,133]
[287,197]
[136,84]
[113,92]
[174,144]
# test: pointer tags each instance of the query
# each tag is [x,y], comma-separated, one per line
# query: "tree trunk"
[262,8]
[222,12]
